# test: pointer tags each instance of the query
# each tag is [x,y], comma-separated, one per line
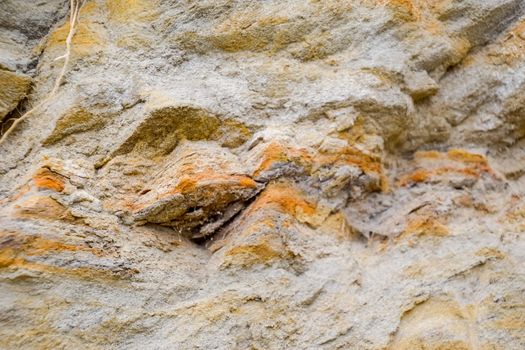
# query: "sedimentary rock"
[262,174]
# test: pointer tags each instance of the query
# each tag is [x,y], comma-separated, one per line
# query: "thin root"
[75,6]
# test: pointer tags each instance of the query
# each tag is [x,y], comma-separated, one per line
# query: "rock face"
[223,174]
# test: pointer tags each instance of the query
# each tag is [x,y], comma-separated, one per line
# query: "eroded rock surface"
[263,175]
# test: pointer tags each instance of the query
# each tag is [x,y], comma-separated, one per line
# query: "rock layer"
[263,175]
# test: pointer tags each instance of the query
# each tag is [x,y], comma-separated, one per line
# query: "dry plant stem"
[75,6]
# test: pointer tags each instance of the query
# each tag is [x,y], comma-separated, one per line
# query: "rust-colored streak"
[467,157]
[17,250]
[277,153]
[425,226]
[38,246]
[434,164]
[351,156]
[46,179]
[189,184]
[285,198]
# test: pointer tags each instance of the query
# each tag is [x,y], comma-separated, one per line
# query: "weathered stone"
[196,187]
[75,121]
[223,174]
[13,89]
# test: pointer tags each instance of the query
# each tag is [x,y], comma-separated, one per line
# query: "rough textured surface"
[264,175]
[14,88]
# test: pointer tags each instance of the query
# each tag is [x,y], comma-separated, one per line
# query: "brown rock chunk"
[260,235]
[75,121]
[164,128]
[287,199]
[13,88]
[258,238]
[42,207]
[420,85]
[196,187]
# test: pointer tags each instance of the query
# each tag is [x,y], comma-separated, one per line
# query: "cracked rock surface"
[224,174]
